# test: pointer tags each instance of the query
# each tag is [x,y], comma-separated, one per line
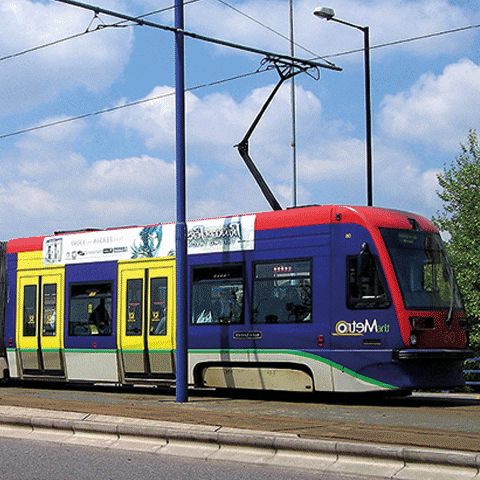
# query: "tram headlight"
[413,339]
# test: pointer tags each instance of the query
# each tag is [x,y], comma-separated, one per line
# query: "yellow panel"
[32,261]
[136,269]
[165,342]
[133,346]
[29,341]
[127,342]
[54,341]
[28,345]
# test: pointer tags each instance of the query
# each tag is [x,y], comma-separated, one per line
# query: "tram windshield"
[422,268]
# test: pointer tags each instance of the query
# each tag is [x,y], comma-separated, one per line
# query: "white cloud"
[216,122]
[93,61]
[337,159]
[29,199]
[402,181]
[437,109]
[388,20]
[140,177]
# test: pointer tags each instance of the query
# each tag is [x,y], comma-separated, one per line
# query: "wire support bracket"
[286,69]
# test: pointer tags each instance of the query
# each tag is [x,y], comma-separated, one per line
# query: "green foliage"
[460,192]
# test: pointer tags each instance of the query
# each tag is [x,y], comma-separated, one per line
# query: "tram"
[319,298]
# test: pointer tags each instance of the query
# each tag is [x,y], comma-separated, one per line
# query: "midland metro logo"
[357,329]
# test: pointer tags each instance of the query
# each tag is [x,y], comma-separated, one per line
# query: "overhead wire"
[276,32]
[217,82]
[87,31]
[126,105]
[399,42]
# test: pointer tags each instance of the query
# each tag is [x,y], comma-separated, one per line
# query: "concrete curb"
[329,457]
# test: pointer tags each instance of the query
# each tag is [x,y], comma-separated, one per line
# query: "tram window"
[282,292]
[49,322]
[366,285]
[29,310]
[90,309]
[158,306]
[217,294]
[134,307]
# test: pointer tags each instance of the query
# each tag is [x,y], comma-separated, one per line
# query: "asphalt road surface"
[36,460]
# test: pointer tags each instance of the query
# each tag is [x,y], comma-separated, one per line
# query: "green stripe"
[311,356]
[90,350]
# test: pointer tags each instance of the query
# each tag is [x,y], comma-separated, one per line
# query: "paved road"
[32,460]
[447,421]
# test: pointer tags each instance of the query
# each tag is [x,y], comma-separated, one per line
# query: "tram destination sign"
[218,235]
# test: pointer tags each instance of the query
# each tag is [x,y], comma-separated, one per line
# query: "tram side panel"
[10,314]
[364,328]
[285,286]
[91,322]
[3,299]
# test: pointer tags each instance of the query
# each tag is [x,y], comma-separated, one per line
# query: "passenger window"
[90,309]
[49,323]
[134,307]
[158,306]
[217,294]
[282,292]
[29,310]
[366,284]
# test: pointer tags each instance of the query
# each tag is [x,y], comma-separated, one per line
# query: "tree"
[460,218]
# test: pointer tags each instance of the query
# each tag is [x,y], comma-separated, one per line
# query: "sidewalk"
[219,442]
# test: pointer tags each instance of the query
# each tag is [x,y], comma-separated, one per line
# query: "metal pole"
[292,98]
[181,363]
[329,14]
[368,117]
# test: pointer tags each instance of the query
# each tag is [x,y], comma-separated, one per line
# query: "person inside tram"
[99,321]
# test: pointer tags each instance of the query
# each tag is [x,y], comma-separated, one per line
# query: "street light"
[329,14]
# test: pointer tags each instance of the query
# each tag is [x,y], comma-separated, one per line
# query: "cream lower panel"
[12,364]
[321,370]
[92,366]
[258,378]
[345,381]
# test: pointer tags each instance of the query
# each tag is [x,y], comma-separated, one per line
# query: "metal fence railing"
[472,372]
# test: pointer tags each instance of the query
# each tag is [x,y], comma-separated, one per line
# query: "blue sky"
[118,168]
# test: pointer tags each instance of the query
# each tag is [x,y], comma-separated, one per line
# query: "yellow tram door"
[146,320]
[39,325]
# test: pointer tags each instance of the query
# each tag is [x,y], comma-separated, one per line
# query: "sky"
[117,168]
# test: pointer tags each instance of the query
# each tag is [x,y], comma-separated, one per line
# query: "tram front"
[430,311]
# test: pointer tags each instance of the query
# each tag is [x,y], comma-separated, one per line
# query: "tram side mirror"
[364,260]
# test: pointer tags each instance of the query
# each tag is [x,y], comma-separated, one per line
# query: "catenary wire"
[399,42]
[108,110]
[127,105]
[276,32]
[87,31]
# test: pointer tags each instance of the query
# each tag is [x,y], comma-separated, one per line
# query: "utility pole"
[181,364]
[293,106]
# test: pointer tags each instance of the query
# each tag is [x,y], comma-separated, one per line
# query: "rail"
[472,374]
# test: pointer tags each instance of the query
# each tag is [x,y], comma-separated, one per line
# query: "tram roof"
[369,217]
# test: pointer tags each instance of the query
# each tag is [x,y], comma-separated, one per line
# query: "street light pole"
[329,14]
[368,116]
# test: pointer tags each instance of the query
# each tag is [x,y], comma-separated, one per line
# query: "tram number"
[450,337]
